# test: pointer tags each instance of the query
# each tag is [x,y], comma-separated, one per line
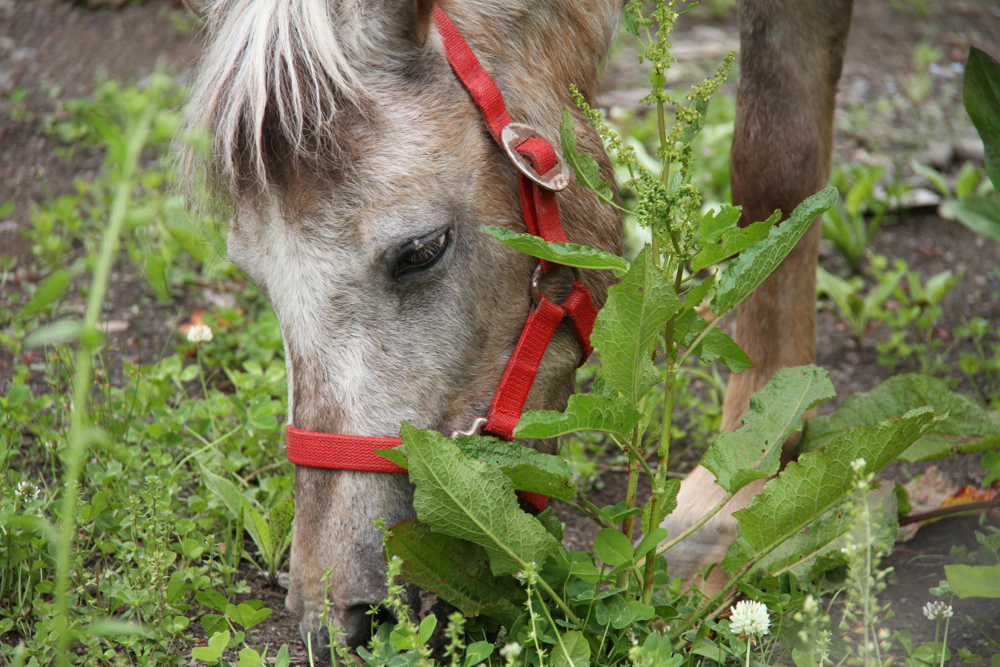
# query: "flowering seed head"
[199,333]
[749,619]
[27,490]
[511,650]
[937,610]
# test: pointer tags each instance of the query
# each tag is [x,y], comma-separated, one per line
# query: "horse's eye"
[422,253]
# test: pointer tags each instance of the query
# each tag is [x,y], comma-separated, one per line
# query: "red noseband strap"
[541,218]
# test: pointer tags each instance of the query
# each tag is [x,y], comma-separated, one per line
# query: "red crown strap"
[470,72]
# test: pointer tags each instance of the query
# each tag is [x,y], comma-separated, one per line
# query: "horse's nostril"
[358,623]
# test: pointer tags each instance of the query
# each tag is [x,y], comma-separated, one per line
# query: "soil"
[54,50]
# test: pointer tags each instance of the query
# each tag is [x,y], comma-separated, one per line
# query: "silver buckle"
[477,427]
[515,134]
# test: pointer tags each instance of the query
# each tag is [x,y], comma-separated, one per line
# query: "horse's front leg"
[791,58]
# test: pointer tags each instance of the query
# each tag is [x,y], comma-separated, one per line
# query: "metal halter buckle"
[477,427]
[536,281]
[515,134]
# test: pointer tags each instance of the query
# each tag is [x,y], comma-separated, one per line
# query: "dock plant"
[473,545]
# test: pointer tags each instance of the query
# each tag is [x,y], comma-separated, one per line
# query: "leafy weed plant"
[851,224]
[109,537]
[619,602]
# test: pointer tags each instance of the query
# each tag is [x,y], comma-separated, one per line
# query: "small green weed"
[913,324]
[851,224]
[860,309]
[163,238]
[16,106]
[982,365]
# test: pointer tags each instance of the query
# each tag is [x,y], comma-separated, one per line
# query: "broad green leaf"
[280,518]
[258,528]
[114,627]
[249,658]
[667,506]
[694,296]
[613,514]
[588,172]
[528,470]
[732,241]
[968,429]
[395,454]
[627,327]
[585,412]
[817,549]
[814,484]
[802,659]
[245,616]
[404,638]
[569,254]
[967,179]
[216,645]
[427,628]
[157,274]
[642,612]
[657,651]
[612,547]
[981,214]
[630,21]
[572,650]
[194,242]
[553,526]
[715,346]
[49,290]
[714,224]
[750,269]
[736,458]
[974,581]
[650,540]
[617,612]
[460,497]
[932,175]
[56,333]
[212,599]
[693,127]
[931,653]
[477,653]
[982,102]
[226,491]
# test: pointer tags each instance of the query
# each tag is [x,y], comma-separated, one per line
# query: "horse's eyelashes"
[422,253]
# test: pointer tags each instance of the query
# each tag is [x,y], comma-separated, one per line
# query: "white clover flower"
[935,611]
[749,619]
[511,650]
[27,490]
[199,333]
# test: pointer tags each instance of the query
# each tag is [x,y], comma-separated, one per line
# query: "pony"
[358,172]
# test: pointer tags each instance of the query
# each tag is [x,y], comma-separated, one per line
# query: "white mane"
[284,62]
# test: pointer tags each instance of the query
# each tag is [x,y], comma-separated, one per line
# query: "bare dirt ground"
[54,50]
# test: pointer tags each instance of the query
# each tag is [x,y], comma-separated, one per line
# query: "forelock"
[272,81]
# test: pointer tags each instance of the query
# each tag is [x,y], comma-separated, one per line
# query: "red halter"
[542,174]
